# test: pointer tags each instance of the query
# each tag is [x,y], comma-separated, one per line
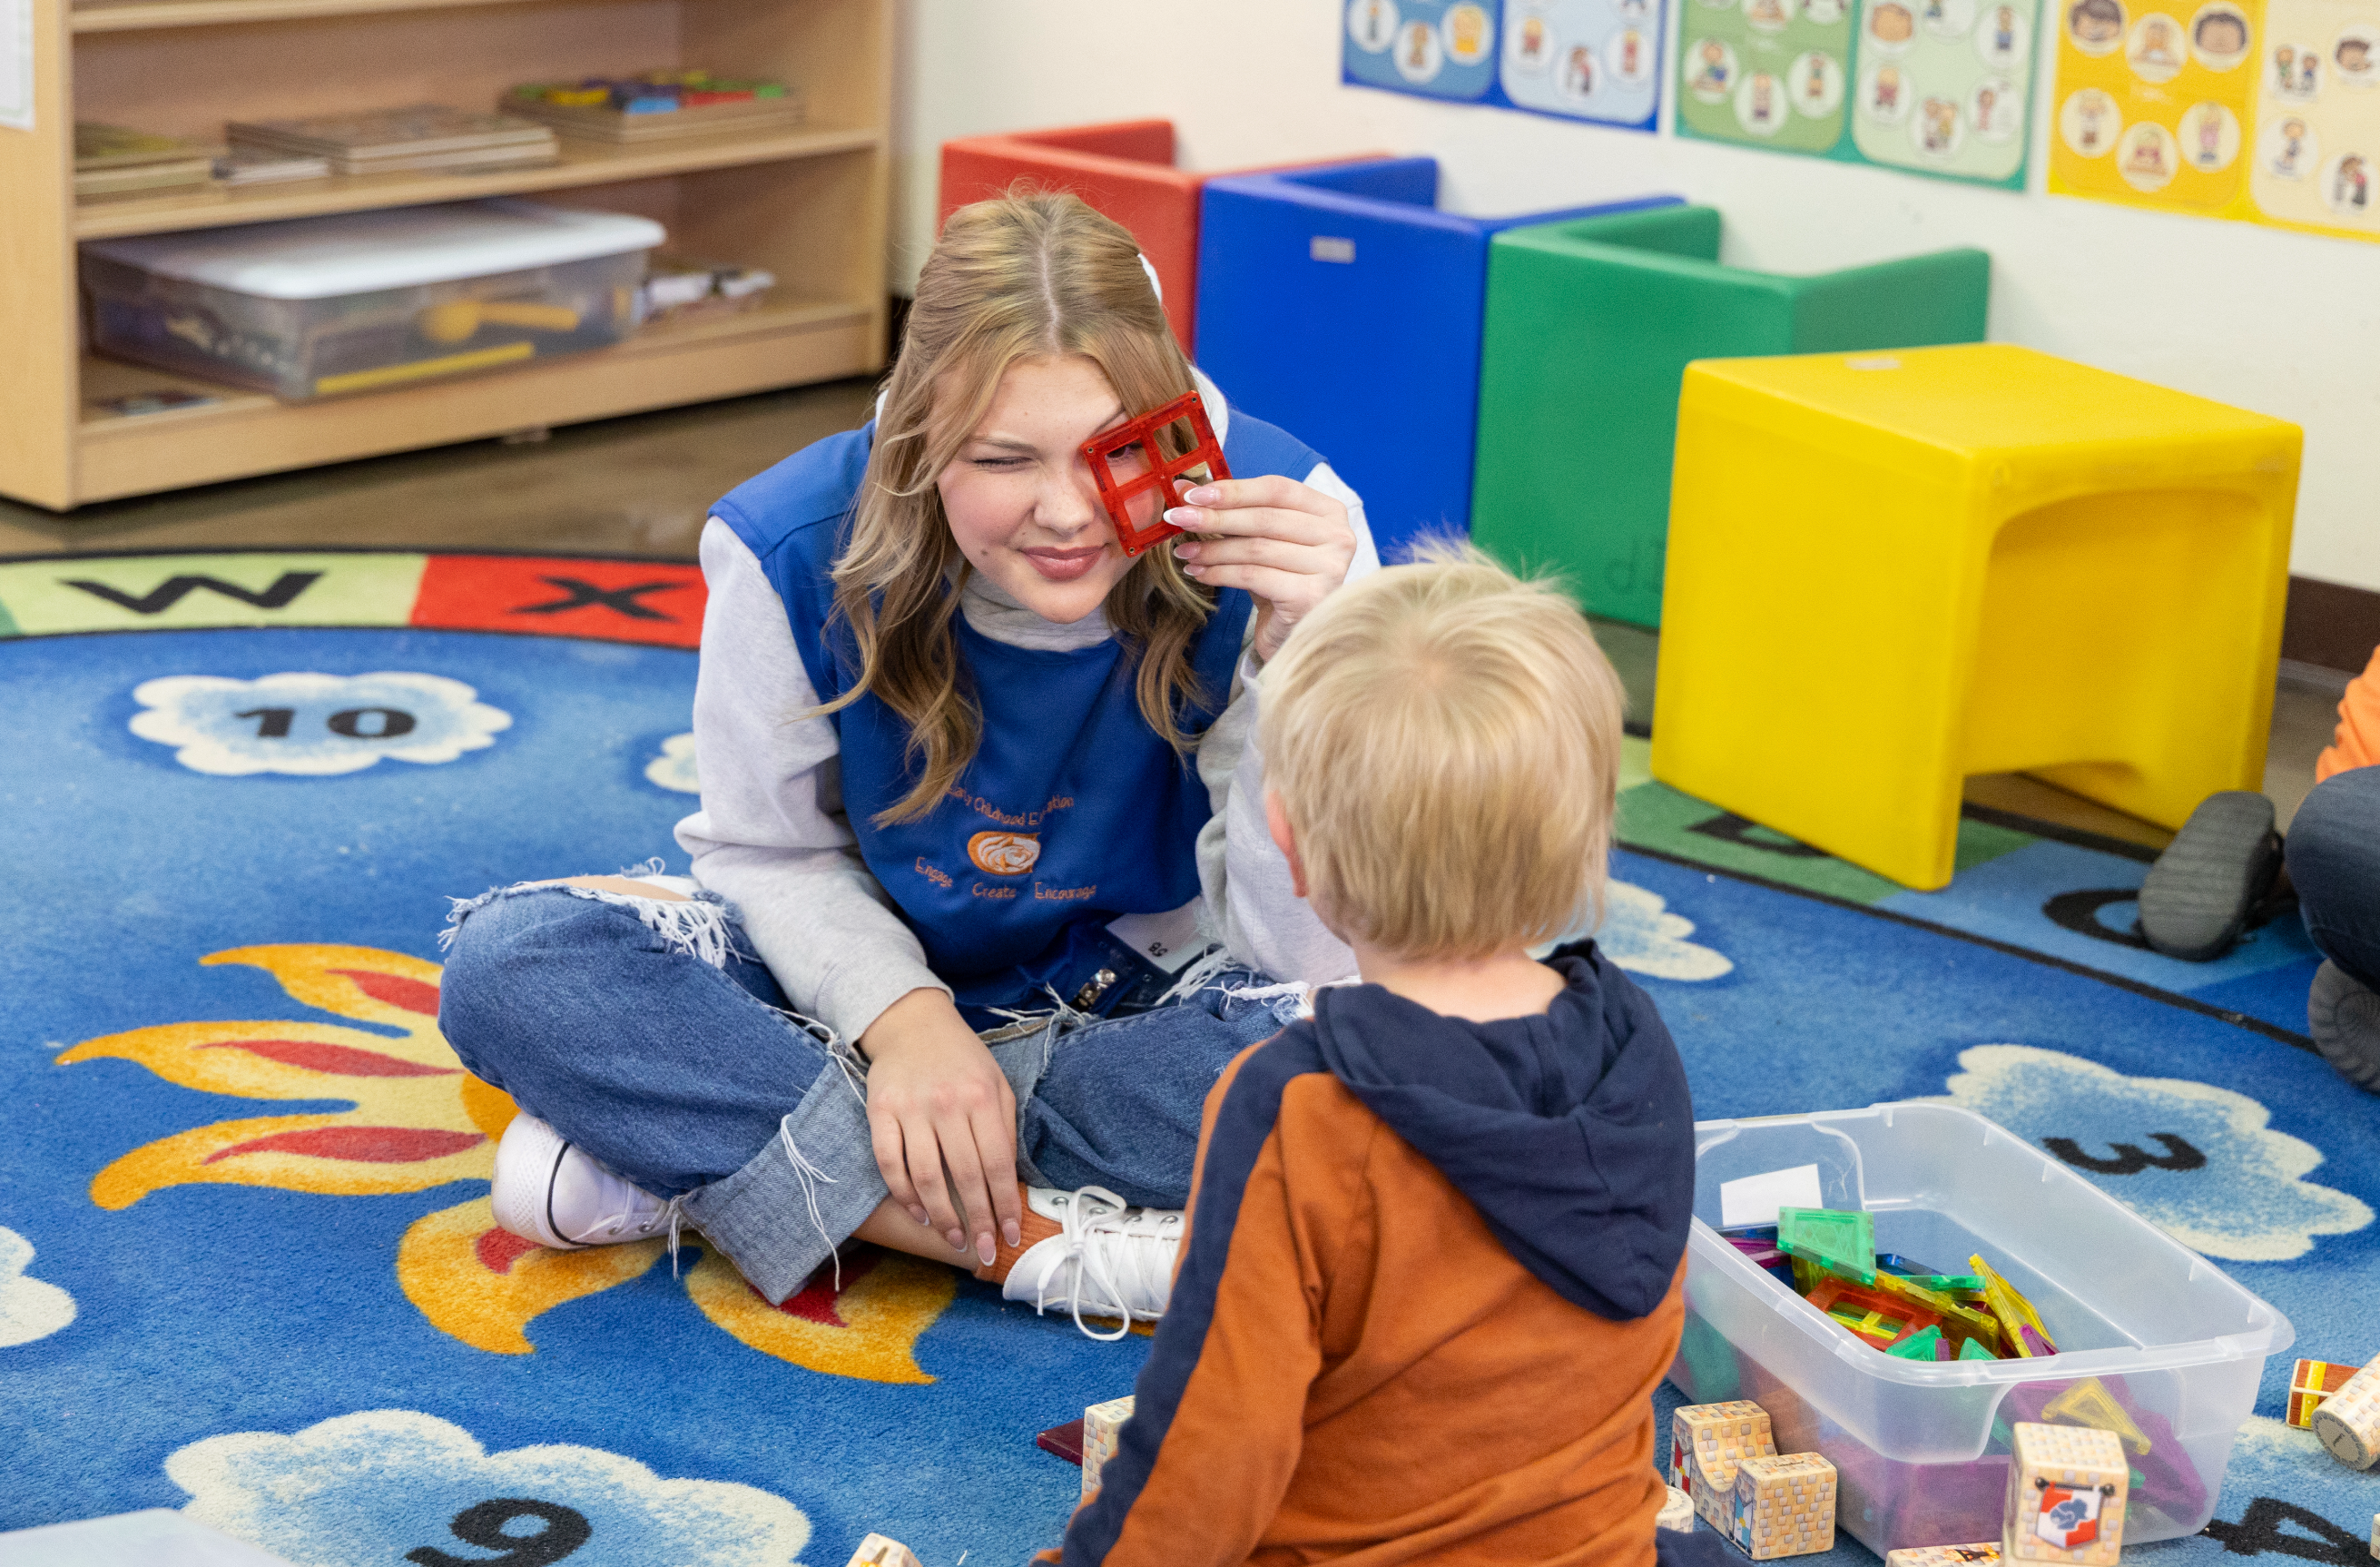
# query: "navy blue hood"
[1571,1132]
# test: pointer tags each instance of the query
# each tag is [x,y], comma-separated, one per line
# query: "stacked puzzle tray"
[657,106]
[2134,1332]
[111,160]
[416,137]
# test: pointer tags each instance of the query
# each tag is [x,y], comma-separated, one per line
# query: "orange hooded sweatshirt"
[1433,1273]
[2357,741]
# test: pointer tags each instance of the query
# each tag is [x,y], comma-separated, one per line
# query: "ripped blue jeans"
[650,1034]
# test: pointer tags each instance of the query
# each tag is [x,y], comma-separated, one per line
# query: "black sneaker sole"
[2344,1018]
[2202,890]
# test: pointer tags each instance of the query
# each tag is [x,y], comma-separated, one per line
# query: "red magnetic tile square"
[1117,494]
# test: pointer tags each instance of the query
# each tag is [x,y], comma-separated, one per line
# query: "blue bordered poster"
[1598,61]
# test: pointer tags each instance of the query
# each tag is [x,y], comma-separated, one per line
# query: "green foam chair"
[1590,326]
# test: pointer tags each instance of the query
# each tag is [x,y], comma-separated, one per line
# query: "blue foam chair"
[1341,304]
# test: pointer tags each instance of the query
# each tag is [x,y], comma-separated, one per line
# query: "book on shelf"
[147,177]
[419,136]
[111,160]
[655,106]
[252,166]
[114,147]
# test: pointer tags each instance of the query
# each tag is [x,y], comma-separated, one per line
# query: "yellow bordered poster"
[2261,111]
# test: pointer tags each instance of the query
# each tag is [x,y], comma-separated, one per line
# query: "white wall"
[2285,323]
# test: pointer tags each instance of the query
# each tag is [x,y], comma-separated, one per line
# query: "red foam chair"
[1124,170]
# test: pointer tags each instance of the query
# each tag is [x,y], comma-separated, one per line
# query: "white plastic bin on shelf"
[358,301]
[1922,1447]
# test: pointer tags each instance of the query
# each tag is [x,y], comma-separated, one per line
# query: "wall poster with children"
[2267,111]
[1938,86]
[1593,60]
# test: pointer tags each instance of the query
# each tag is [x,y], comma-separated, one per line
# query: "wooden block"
[2310,1382]
[1784,1505]
[2067,1490]
[882,1551]
[1706,1442]
[1984,1553]
[1677,1512]
[1100,1424]
[2349,1420]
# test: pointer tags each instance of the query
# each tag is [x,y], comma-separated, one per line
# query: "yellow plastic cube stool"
[1888,571]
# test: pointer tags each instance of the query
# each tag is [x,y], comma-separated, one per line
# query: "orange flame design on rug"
[421,1121]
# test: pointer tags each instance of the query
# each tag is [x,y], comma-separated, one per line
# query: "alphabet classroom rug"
[247,1267]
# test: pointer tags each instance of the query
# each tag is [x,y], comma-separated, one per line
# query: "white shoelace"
[645,1224]
[1118,1249]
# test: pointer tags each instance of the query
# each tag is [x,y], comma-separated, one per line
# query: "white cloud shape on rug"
[30,1310]
[2249,1201]
[674,768]
[313,724]
[2266,1443]
[1640,935]
[389,1485]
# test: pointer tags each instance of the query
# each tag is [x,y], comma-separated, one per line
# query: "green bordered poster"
[1933,87]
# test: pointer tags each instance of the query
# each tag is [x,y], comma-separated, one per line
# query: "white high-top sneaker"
[1110,1259]
[550,1192]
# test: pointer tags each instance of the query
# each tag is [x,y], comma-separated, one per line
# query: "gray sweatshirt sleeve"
[772,836]
[1252,907]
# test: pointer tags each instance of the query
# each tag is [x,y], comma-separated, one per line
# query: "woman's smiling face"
[1019,495]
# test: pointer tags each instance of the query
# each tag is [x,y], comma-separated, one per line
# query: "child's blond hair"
[1444,738]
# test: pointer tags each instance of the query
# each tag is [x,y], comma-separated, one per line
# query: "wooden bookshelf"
[808,203]
[136,16]
[582,163]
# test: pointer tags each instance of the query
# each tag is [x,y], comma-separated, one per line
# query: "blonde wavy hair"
[1029,275]
[1444,738]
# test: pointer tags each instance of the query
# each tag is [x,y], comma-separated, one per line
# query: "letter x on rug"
[247,1264]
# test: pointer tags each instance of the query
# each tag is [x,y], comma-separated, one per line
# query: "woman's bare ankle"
[892,1227]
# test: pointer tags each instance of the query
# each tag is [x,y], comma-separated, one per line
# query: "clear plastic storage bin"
[1921,1448]
[358,301]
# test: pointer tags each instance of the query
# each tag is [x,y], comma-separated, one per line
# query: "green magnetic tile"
[1839,1241]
